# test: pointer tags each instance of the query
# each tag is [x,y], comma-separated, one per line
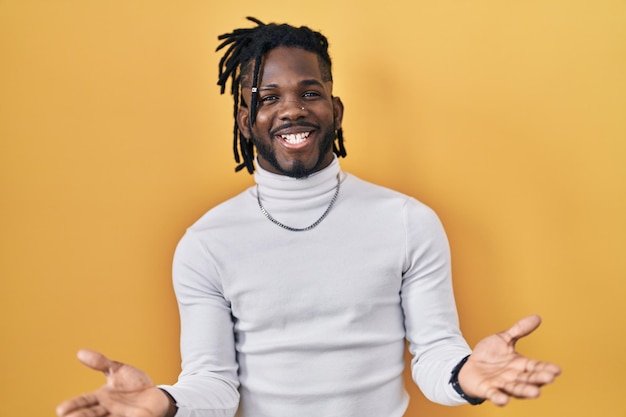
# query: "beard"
[298,169]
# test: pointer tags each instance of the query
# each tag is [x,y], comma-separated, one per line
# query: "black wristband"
[173,408]
[454,380]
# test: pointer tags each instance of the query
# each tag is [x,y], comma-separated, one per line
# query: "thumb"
[522,328]
[97,361]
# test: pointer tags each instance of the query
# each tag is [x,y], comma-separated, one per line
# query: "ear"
[338,112]
[243,121]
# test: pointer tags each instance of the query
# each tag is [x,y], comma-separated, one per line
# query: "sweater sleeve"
[208,383]
[431,319]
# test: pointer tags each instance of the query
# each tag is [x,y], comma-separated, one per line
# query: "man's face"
[297,115]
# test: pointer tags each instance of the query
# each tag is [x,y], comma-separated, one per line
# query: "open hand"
[496,372]
[128,391]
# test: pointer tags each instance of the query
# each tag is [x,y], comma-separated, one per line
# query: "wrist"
[454,381]
[172,407]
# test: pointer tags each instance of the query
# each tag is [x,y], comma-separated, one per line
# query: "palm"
[497,372]
[128,391]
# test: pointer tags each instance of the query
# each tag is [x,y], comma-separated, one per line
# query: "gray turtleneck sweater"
[277,323]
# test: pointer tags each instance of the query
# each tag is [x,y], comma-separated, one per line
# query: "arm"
[430,315]
[207,386]
[496,372]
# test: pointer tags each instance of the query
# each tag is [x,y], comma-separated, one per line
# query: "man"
[297,295]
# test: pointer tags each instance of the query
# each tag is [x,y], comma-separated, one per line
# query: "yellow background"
[507,117]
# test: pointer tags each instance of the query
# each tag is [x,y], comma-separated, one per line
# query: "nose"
[292,109]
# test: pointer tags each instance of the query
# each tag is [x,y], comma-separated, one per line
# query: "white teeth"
[295,138]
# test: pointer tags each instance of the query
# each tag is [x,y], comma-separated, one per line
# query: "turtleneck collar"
[276,186]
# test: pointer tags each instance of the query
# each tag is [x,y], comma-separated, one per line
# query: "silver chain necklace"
[295,229]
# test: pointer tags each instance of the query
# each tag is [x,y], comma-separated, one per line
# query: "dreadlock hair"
[246,48]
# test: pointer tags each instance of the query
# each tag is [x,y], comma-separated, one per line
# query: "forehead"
[285,63]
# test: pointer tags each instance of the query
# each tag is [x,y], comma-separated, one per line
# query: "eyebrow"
[307,82]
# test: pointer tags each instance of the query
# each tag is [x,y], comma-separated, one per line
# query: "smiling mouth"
[295,138]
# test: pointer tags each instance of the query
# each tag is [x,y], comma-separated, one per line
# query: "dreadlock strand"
[250,155]
[255,93]
[240,144]
[340,151]
[228,66]
[255,20]
[225,70]
[236,127]
[247,151]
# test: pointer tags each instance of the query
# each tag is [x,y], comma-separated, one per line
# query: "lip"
[294,128]
[295,146]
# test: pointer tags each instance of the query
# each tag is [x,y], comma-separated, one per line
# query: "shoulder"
[365,190]
[391,204]
[360,188]
[218,227]
[227,212]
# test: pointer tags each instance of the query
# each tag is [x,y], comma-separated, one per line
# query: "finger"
[522,328]
[539,377]
[96,411]
[502,392]
[543,368]
[97,361]
[497,397]
[535,371]
[84,401]
[521,390]
[551,368]
[527,384]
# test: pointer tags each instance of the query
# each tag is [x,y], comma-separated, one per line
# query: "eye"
[268,99]
[311,94]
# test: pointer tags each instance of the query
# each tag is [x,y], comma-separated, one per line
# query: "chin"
[295,167]
[298,169]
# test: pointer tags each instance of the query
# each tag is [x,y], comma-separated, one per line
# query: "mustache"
[275,131]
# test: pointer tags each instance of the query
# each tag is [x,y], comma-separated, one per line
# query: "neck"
[297,202]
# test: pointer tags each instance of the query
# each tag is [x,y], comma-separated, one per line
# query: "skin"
[293,99]
[291,80]
[128,392]
[497,372]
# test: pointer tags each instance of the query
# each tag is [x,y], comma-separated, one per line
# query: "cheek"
[263,122]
